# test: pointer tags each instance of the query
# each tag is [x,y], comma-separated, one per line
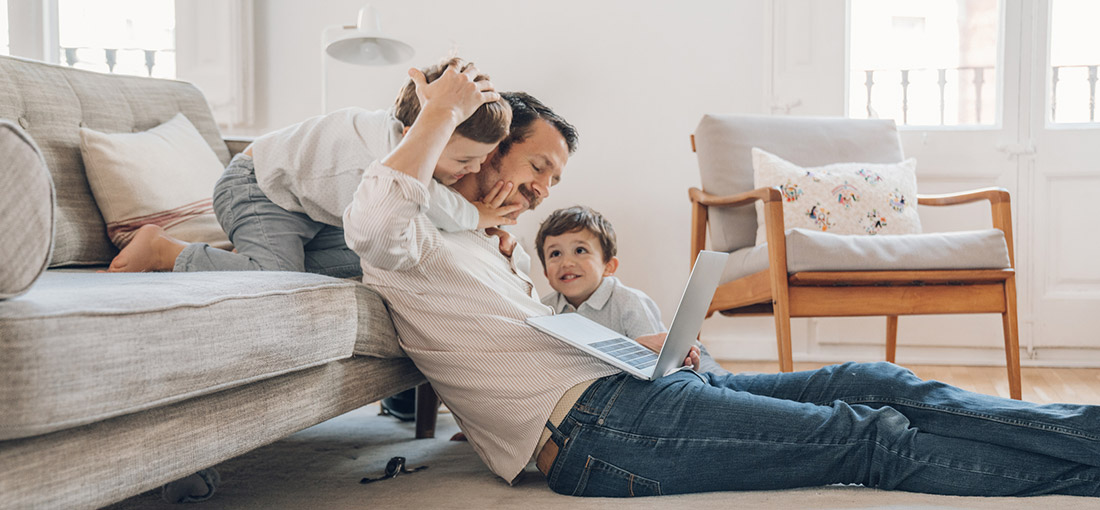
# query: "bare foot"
[150,250]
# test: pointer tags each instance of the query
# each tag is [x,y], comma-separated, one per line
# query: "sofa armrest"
[237,144]
[27,210]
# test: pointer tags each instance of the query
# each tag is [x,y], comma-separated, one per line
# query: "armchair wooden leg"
[783,336]
[1012,339]
[891,338]
[427,409]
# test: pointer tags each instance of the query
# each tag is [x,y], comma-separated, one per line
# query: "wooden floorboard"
[1040,384]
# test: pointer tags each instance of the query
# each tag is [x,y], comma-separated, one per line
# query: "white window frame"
[224,70]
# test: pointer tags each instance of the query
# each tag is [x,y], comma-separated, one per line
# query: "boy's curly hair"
[575,219]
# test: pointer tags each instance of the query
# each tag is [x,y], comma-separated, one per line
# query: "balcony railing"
[1055,77]
[97,57]
[969,83]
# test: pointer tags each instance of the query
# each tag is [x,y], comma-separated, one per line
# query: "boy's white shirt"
[451,212]
[313,167]
[625,310]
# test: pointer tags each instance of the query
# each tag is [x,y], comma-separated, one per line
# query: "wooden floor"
[1040,384]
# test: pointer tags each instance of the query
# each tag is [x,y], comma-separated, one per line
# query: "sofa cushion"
[164,176]
[26,206]
[53,102]
[377,336]
[808,250]
[81,346]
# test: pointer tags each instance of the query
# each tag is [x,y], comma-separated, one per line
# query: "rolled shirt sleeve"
[384,224]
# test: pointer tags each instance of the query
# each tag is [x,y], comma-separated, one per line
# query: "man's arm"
[381,225]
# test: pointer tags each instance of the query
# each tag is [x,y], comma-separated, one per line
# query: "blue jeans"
[874,424]
[267,237]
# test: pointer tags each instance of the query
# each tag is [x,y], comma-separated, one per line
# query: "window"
[135,37]
[1074,57]
[925,63]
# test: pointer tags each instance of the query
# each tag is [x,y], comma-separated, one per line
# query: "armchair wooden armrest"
[773,214]
[1000,204]
[701,197]
[993,195]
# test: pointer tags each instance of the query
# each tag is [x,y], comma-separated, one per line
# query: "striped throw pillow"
[163,176]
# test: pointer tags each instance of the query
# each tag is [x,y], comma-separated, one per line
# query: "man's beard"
[486,183]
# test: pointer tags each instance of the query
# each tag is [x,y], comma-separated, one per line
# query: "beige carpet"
[320,467]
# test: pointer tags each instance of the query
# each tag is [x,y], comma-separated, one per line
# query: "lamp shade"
[367,45]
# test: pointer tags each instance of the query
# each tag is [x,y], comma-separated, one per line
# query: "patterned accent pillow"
[842,198]
[164,176]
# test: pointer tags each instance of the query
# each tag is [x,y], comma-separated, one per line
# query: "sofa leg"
[427,408]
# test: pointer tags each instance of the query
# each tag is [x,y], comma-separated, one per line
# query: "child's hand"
[454,91]
[507,241]
[655,341]
[692,360]
[490,209]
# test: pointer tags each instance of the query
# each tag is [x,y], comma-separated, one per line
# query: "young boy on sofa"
[281,201]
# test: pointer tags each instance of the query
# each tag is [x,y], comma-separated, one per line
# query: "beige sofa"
[113,384]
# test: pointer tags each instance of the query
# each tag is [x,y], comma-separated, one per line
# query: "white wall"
[634,77]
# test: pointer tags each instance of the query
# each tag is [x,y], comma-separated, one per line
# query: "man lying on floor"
[459,305]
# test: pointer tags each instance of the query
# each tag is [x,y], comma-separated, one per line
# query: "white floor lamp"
[361,44]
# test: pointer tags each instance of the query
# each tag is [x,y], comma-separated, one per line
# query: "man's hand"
[444,104]
[507,241]
[454,91]
[655,341]
[490,210]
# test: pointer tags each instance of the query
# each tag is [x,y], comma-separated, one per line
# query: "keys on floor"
[394,467]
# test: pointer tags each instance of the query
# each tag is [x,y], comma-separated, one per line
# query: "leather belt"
[547,456]
[548,451]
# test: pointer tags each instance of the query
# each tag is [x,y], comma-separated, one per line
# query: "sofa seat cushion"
[82,346]
[808,250]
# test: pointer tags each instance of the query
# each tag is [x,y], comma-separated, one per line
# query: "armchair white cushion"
[808,250]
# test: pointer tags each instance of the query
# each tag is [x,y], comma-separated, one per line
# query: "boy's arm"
[449,210]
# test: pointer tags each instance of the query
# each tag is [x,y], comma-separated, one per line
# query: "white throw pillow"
[164,176]
[842,198]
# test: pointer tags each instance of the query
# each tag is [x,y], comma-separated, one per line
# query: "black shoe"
[401,406]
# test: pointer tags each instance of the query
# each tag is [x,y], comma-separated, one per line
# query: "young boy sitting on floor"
[577,248]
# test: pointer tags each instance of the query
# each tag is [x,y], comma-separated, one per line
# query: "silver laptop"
[625,353]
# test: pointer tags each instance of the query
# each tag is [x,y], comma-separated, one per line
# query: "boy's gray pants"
[267,237]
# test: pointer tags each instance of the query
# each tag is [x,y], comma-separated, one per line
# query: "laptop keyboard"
[629,352]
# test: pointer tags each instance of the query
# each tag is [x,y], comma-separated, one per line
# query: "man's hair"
[488,124]
[525,111]
[576,219]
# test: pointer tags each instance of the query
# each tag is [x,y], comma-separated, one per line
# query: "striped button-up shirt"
[460,307]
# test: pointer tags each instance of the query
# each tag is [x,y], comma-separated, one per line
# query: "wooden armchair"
[723,144]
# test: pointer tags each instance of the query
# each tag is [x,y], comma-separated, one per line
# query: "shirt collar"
[602,294]
[596,301]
